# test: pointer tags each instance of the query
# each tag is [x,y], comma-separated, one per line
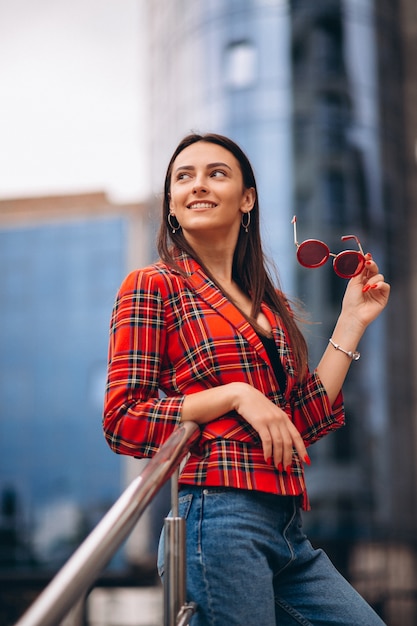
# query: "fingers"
[282,448]
[298,444]
[279,439]
[301,450]
[367,293]
[373,283]
[370,277]
[267,446]
[371,274]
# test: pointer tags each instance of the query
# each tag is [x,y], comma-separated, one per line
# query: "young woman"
[207,327]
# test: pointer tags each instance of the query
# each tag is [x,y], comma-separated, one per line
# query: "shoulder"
[157,277]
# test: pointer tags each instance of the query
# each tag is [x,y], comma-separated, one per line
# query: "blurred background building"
[323,98]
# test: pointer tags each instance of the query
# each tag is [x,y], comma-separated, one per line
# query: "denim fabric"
[250,564]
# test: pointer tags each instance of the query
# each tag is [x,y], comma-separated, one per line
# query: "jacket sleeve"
[136,419]
[311,411]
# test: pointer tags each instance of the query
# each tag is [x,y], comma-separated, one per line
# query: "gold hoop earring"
[173,228]
[245,226]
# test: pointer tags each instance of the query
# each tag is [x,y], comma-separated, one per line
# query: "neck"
[218,259]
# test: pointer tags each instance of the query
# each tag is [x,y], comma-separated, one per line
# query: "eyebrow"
[209,166]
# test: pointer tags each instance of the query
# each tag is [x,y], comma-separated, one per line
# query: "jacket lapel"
[212,295]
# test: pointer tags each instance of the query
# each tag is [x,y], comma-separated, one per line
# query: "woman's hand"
[365,298]
[366,294]
[278,434]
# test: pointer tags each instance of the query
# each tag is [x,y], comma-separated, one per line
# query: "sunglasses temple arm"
[294,222]
[345,237]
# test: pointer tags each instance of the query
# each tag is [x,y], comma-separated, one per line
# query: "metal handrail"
[81,570]
[177,612]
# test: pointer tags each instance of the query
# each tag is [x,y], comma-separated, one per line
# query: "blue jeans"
[250,564]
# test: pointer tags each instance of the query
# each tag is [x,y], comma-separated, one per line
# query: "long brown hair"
[249,266]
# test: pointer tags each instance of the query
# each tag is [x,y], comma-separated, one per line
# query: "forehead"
[202,153]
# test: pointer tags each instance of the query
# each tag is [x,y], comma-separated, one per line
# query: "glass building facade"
[57,474]
[226,67]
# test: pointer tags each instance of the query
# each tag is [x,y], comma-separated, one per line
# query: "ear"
[248,200]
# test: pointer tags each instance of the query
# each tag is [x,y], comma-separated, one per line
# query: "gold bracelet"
[355,356]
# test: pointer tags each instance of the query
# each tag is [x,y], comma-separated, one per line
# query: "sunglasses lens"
[312,253]
[348,264]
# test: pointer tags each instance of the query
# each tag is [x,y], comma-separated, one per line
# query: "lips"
[201,205]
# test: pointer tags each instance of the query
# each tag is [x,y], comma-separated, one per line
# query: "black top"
[270,347]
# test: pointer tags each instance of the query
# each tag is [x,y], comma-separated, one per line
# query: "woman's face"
[207,195]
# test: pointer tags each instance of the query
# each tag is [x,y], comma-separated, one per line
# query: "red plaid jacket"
[179,336]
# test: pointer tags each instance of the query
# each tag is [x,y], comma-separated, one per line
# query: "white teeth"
[201,205]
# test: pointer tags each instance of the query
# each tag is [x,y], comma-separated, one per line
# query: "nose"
[199,186]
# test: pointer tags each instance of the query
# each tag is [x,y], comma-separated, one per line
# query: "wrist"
[354,355]
[348,331]
[236,391]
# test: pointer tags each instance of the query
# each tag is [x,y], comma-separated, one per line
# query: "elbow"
[110,432]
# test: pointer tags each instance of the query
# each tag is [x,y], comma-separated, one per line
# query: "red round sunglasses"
[314,253]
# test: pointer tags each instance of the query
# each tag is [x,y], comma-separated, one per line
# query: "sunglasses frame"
[358,254]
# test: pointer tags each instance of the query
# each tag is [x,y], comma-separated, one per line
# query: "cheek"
[176,197]
[172,201]
[174,206]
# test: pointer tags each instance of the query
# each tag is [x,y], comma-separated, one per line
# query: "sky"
[72,106]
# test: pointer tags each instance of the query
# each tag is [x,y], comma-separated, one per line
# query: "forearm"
[365,297]
[334,364]
[278,435]
[204,406]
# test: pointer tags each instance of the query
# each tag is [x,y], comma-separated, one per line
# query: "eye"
[182,176]
[217,173]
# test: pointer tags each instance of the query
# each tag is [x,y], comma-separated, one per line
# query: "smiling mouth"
[201,205]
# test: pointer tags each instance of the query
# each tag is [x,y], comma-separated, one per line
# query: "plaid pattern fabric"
[179,336]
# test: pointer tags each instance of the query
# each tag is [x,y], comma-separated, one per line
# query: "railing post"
[175,574]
